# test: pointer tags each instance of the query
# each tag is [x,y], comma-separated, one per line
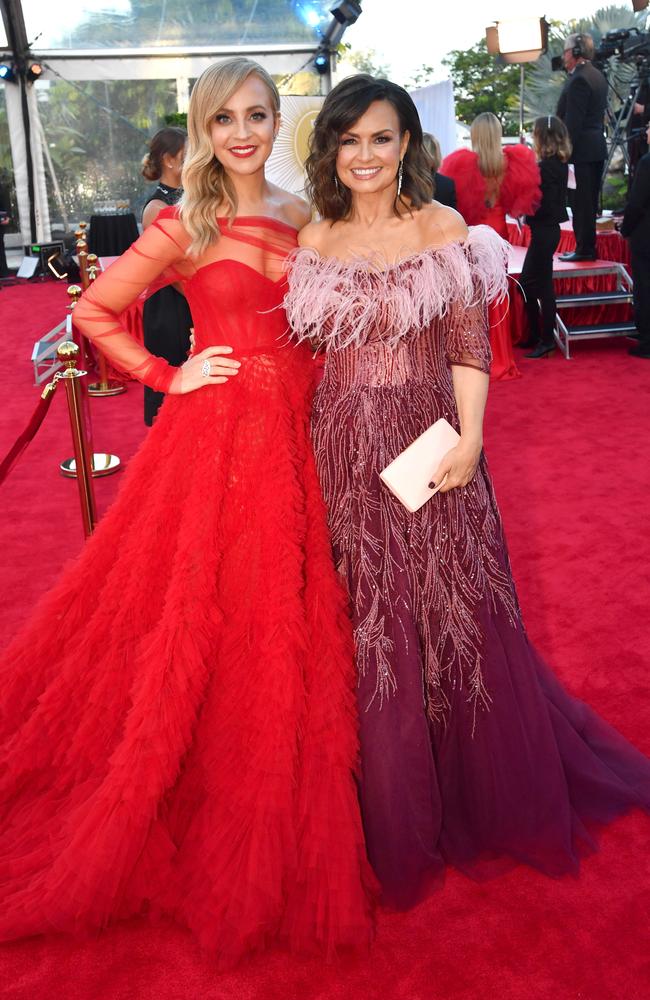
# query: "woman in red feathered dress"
[491,182]
[178,731]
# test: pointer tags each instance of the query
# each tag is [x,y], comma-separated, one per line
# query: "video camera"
[630,45]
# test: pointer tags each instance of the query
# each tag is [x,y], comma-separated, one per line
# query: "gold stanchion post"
[68,354]
[103,464]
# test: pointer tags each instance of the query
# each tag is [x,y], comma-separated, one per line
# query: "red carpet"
[570,453]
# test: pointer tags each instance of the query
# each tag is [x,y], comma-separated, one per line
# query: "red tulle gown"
[484,201]
[178,721]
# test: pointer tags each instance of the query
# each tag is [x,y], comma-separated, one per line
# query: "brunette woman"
[166,317]
[472,752]
[553,149]
[192,752]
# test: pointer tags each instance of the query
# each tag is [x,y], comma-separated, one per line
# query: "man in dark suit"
[582,107]
[636,227]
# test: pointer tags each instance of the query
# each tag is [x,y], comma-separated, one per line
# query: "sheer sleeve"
[467,334]
[160,250]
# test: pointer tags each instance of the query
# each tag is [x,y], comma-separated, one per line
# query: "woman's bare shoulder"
[440,224]
[316,235]
[294,210]
[151,211]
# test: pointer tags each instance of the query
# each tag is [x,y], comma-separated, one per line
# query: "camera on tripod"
[630,45]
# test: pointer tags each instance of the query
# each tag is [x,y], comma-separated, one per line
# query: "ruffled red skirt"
[178,728]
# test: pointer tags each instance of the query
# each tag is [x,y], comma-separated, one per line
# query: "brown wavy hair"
[551,138]
[342,107]
[166,140]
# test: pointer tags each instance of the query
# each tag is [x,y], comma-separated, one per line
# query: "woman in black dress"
[166,316]
[553,148]
[444,188]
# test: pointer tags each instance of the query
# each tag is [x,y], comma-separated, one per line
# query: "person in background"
[637,145]
[582,107]
[444,189]
[553,148]
[491,181]
[166,317]
[5,219]
[636,228]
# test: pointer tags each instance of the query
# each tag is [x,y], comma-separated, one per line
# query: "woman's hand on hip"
[208,367]
[458,466]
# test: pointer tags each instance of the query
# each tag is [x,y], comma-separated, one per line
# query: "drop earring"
[400,174]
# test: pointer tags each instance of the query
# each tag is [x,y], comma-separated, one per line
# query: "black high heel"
[542,350]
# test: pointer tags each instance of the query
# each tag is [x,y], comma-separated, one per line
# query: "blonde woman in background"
[193,753]
[493,180]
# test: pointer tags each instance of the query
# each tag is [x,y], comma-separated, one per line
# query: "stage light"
[322,62]
[34,72]
[7,73]
[309,13]
[346,11]
[519,40]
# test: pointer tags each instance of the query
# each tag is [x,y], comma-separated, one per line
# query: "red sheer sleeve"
[161,249]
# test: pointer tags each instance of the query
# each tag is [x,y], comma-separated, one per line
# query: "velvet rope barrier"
[29,433]
[68,354]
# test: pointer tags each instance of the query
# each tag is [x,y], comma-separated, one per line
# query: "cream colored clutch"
[409,475]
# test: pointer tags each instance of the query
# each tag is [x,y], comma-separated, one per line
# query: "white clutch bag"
[409,475]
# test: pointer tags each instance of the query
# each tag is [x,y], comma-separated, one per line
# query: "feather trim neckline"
[337,303]
[372,263]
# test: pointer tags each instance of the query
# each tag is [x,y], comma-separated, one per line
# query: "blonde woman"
[492,180]
[193,751]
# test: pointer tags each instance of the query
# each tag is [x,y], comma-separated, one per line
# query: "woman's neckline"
[369,263]
[242,220]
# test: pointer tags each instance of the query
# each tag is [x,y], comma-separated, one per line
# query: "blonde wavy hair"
[206,186]
[486,135]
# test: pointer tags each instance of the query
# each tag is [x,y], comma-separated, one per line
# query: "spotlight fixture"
[8,72]
[322,62]
[34,72]
[344,13]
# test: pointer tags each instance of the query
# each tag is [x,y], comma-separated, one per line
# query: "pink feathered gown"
[472,752]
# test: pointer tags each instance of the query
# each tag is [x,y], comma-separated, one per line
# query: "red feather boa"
[519,194]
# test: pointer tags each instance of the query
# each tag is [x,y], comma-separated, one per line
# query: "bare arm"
[151,211]
[459,464]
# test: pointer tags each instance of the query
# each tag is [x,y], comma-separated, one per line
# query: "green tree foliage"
[97,134]
[482,84]
[364,61]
